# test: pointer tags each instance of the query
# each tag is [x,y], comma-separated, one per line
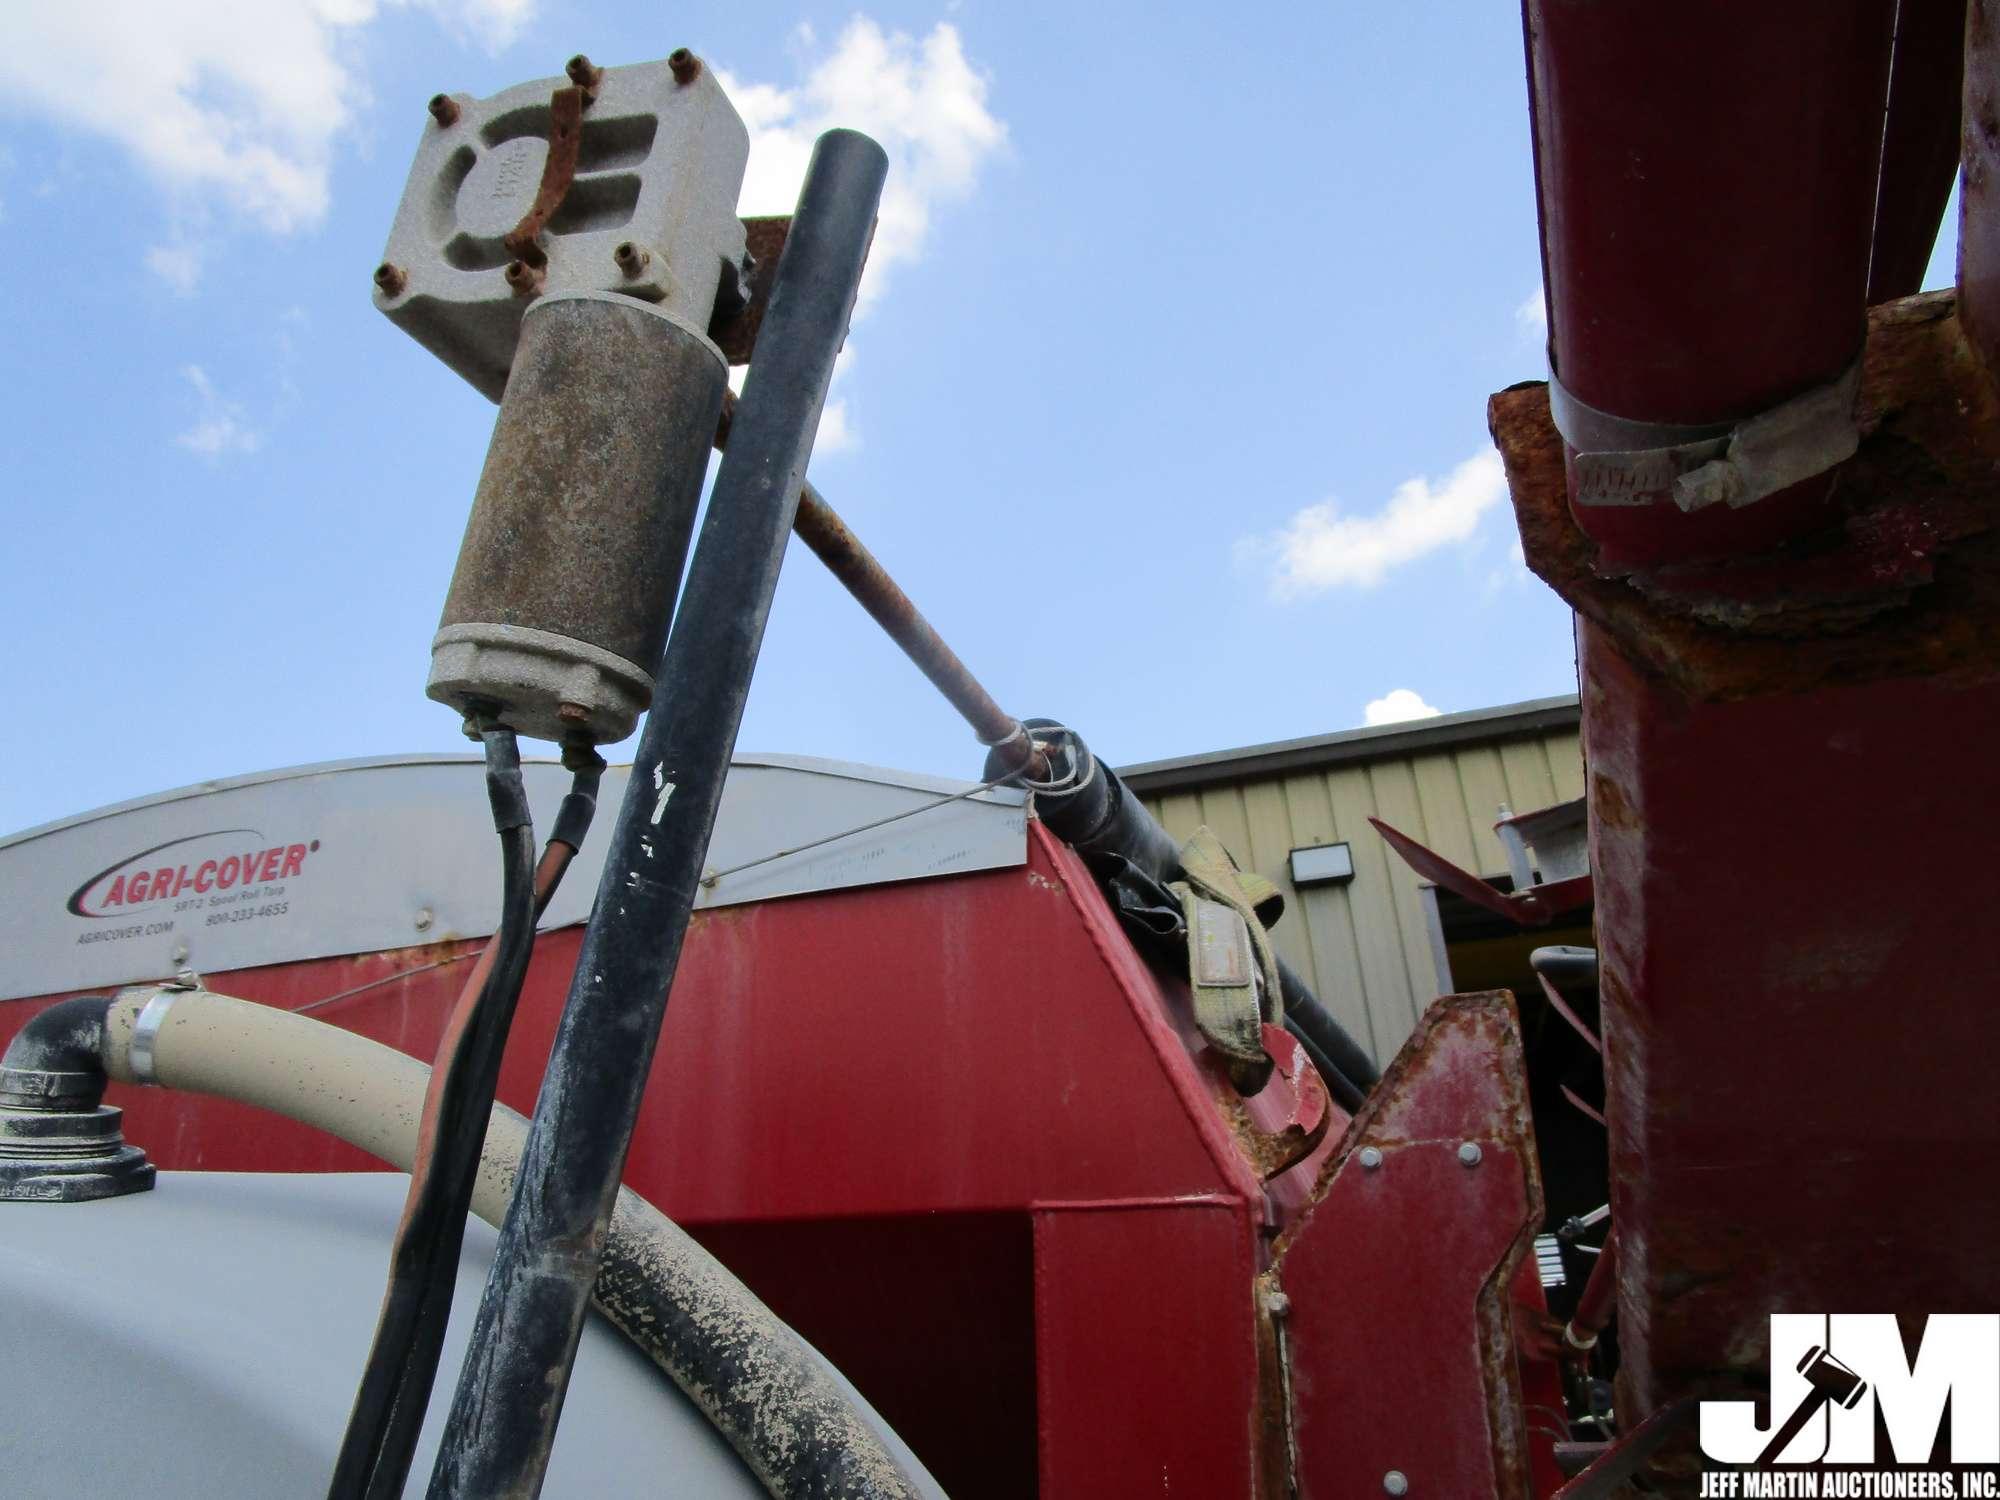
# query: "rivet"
[1469,1154]
[1370,1158]
[424,919]
[1395,1483]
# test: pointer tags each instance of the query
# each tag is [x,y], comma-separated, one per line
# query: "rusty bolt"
[526,280]
[392,278]
[572,713]
[444,109]
[686,66]
[584,73]
[632,259]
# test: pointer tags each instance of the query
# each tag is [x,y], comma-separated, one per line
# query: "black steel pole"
[510,1391]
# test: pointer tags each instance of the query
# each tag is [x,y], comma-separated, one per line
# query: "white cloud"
[1321,548]
[1396,706]
[218,101]
[836,431]
[178,264]
[920,98]
[219,426]
[1532,317]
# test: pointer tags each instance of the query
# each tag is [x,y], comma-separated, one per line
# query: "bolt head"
[444,109]
[424,919]
[1395,1482]
[583,72]
[1370,1158]
[391,278]
[631,258]
[525,279]
[685,65]
[1470,1155]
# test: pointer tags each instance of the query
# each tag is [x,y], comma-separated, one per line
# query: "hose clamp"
[1623,462]
[146,1034]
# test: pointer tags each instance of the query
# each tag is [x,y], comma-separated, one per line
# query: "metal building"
[1376,941]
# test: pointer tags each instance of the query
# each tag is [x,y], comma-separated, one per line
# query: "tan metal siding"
[1365,945]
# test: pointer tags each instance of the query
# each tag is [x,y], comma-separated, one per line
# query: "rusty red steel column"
[1791,836]
[1979,206]
[820,527]
[1707,175]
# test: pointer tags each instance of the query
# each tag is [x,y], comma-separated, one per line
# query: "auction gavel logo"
[1831,1381]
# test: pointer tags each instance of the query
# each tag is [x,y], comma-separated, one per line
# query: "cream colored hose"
[788,1414]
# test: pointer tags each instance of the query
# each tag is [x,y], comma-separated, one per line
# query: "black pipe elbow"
[55,1063]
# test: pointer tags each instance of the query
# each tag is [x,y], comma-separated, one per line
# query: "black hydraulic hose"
[1088,807]
[510,1391]
[395,1389]
[52,1062]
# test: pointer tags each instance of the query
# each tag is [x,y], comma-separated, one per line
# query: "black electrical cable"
[389,1405]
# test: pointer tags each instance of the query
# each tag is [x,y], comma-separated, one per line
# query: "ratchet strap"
[1232,967]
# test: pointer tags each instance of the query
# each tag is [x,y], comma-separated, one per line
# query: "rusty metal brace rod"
[821,529]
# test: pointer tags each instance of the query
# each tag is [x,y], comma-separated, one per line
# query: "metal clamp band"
[1620,461]
[1571,1338]
[146,1034]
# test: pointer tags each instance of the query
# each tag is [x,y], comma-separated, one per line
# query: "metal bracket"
[1537,906]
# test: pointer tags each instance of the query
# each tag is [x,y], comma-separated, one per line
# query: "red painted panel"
[860,1099]
[932,1317]
[1401,1274]
[1147,1349]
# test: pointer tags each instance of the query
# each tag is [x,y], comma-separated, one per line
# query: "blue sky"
[1166,402]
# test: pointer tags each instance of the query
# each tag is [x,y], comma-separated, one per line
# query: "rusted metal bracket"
[1442,1157]
[734,327]
[1535,906]
[1284,1122]
[1901,587]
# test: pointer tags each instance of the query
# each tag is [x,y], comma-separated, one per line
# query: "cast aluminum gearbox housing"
[659,165]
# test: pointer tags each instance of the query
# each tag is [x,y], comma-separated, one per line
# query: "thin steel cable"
[377,983]
[711,877]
